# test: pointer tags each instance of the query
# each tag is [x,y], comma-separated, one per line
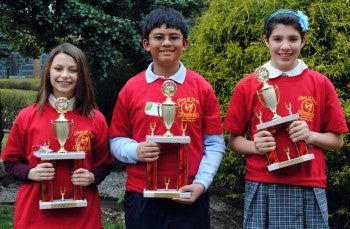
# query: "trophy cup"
[62,129]
[168,112]
[269,96]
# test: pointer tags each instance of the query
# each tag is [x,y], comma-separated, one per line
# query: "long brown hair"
[84,93]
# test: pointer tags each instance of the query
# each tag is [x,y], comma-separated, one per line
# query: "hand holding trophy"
[269,96]
[168,112]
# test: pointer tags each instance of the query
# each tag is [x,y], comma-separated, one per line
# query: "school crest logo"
[307,108]
[188,109]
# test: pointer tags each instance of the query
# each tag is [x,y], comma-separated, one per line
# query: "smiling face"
[63,76]
[284,43]
[166,46]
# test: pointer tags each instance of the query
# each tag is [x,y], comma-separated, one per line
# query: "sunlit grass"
[6,218]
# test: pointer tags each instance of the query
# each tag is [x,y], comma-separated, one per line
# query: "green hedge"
[22,84]
[16,94]
[13,100]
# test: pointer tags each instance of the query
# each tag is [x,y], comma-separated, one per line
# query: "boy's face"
[165,45]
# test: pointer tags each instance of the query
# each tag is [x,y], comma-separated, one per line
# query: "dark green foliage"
[22,84]
[227,44]
[13,101]
[109,31]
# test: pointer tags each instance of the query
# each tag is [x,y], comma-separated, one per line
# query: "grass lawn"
[6,218]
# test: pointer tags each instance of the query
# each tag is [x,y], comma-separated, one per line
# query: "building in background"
[20,67]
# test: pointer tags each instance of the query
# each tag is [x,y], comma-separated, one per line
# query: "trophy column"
[151,189]
[269,96]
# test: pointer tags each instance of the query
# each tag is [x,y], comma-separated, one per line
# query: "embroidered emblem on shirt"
[83,140]
[188,109]
[307,108]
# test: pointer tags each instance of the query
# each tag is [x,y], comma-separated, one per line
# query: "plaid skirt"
[283,206]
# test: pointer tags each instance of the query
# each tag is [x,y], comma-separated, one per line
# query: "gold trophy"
[168,112]
[62,129]
[269,96]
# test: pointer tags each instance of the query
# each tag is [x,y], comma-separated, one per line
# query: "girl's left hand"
[299,130]
[82,177]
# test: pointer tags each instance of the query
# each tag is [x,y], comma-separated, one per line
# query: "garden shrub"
[13,100]
[22,84]
[226,44]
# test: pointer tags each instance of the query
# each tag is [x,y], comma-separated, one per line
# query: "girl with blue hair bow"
[294,196]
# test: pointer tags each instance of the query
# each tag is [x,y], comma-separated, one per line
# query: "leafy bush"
[22,84]
[227,43]
[13,100]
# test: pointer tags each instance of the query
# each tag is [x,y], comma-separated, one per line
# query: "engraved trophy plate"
[62,129]
[168,113]
[269,97]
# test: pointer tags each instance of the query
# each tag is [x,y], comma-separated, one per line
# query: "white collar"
[178,77]
[275,72]
[52,101]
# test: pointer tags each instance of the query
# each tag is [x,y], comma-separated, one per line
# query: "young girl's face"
[63,76]
[284,43]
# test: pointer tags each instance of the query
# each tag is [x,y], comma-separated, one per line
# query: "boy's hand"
[195,189]
[148,151]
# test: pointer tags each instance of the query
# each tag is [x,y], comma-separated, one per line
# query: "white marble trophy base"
[166,139]
[66,203]
[297,160]
[162,193]
[277,121]
[63,156]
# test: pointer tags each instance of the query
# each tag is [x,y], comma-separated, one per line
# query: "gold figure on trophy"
[183,128]
[167,182]
[63,190]
[152,125]
[47,145]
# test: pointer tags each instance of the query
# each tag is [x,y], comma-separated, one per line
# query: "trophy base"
[172,139]
[162,193]
[63,156]
[277,121]
[66,203]
[294,161]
